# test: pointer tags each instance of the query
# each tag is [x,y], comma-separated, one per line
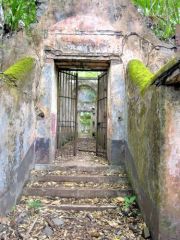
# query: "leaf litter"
[40,218]
[55,224]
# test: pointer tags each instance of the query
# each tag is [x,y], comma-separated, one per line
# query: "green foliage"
[19,10]
[34,204]
[129,201]
[14,208]
[88,74]
[85,119]
[20,69]
[164,15]
[139,74]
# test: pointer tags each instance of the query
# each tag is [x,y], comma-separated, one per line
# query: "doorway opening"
[82,112]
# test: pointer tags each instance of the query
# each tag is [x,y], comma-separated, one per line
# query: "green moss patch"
[142,77]
[165,68]
[139,74]
[20,69]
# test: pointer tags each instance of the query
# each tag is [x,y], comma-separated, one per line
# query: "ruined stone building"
[140,131]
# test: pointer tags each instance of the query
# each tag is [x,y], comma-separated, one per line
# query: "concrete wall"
[169,227]
[153,157]
[46,127]
[69,29]
[103,32]
[18,116]
[116,113]
[100,30]
[17,143]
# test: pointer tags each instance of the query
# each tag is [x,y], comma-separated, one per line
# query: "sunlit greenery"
[34,204]
[85,118]
[129,201]
[19,12]
[163,15]
[88,74]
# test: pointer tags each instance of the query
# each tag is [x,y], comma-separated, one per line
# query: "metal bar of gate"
[101,135]
[97,130]
[58,106]
[76,103]
[67,113]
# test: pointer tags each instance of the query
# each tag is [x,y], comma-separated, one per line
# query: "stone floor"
[82,158]
[79,198]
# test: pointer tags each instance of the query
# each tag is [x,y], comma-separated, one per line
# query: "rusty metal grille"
[101,141]
[67,113]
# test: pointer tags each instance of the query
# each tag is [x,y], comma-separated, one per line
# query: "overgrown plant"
[19,12]
[34,204]
[129,202]
[163,15]
[85,119]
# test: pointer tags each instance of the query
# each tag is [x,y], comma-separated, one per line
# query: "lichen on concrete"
[20,69]
[165,68]
[142,77]
[152,151]
[139,74]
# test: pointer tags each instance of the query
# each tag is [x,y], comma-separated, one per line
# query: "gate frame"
[89,59]
[116,125]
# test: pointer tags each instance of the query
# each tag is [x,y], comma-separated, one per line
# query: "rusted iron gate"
[67,113]
[101,138]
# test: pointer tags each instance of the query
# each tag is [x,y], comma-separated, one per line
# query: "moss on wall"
[145,124]
[142,77]
[20,69]
[17,75]
[166,67]
[139,74]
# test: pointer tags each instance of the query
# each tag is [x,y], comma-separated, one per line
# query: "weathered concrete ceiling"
[83,65]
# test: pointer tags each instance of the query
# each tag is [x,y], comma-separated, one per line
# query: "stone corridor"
[86,153]
[82,198]
[89,68]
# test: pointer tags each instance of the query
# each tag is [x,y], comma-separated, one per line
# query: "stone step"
[58,201]
[81,178]
[77,170]
[75,185]
[53,167]
[76,193]
[83,207]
